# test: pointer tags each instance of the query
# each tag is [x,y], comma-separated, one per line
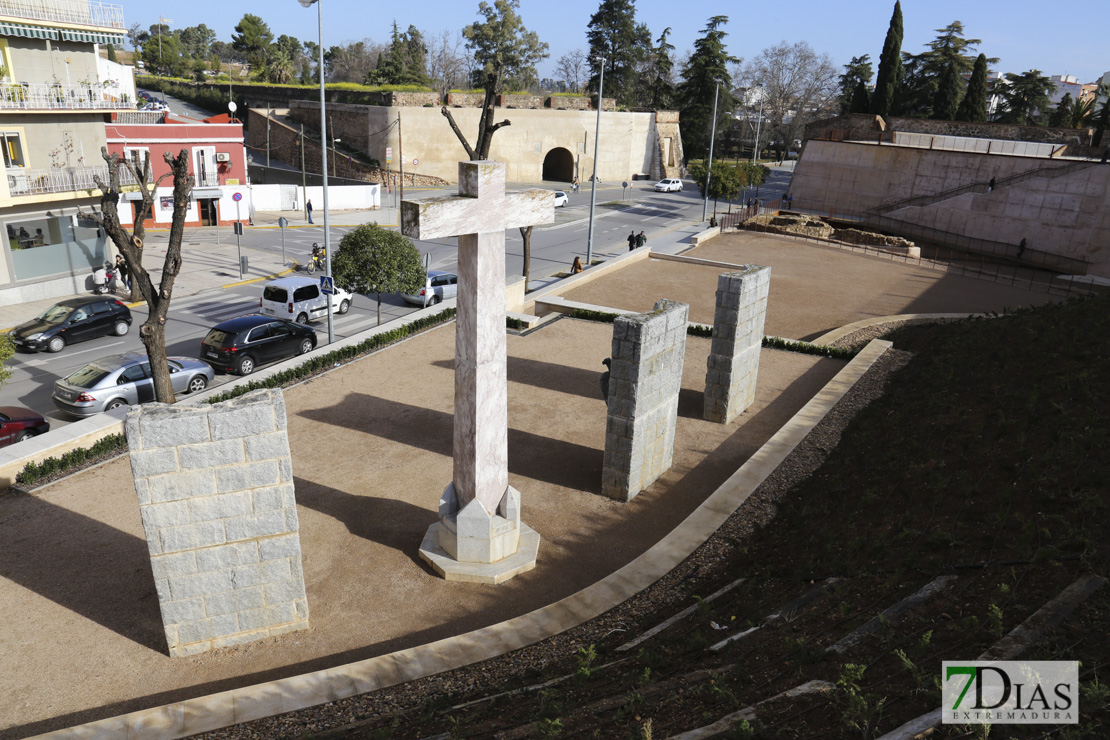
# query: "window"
[132,374]
[99,308]
[136,156]
[13,149]
[258,334]
[280,330]
[306,293]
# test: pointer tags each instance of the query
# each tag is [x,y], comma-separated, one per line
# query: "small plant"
[644,679]
[549,727]
[585,658]
[862,712]
[71,460]
[645,729]
[744,730]
[994,619]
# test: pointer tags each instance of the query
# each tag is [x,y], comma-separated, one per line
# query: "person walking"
[632,240]
[122,271]
[1021,247]
[790,200]
[308,208]
[990,186]
[641,239]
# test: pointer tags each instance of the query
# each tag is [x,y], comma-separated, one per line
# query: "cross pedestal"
[479,536]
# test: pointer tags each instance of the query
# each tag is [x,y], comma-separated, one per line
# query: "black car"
[73,320]
[242,344]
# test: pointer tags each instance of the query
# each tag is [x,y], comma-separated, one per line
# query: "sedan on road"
[240,345]
[73,320]
[561,198]
[125,379]
[18,424]
[668,186]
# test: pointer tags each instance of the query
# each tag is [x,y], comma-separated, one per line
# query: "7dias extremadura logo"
[1010,692]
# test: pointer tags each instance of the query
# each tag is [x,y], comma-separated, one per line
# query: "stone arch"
[558,165]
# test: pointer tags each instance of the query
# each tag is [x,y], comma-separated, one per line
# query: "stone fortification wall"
[645,380]
[861,127]
[215,487]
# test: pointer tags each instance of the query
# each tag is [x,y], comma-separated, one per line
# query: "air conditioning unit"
[223,157]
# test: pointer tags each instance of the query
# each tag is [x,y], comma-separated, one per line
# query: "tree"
[112,53]
[614,36]
[889,77]
[1025,98]
[861,100]
[153,331]
[505,52]
[167,57]
[1104,114]
[924,71]
[446,64]
[571,67]
[799,86]
[725,183]
[197,41]
[655,78]
[974,105]
[949,95]
[705,70]
[350,62]
[404,62]
[855,72]
[252,38]
[136,35]
[376,260]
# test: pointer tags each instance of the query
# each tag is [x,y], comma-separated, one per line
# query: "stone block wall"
[733,364]
[465,100]
[531,102]
[215,488]
[861,127]
[568,102]
[645,380]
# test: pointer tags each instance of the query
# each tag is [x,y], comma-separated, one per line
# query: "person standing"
[632,240]
[308,209]
[790,200]
[121,270]
[641,239]
[990,186]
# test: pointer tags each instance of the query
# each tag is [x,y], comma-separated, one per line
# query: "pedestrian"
[990,185]
[1021,247]
[576,266]
[123,272]
[641,239]
[1105,155]
[632,240]
[574,185]
[790,200]
[308,207]
[784,200]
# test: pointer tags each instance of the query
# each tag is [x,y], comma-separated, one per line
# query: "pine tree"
[614,35]
[949,93]
[1061,114]
[861,102]
[112,53]
[890,66]
[704,76]
[974,105]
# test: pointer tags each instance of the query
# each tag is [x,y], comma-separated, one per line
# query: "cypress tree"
[111,53]
[949,92]
[861,102]
[890,66]
[974,105]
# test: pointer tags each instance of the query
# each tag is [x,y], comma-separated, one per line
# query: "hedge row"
[73,459]
[336,357]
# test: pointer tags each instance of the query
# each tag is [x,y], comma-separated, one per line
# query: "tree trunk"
[526,235]
[379,308]
[486,126]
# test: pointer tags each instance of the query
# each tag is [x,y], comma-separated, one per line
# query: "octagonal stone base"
[522,561]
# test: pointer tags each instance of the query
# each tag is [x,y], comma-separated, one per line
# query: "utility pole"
[267,135]
[304,185]
[401,155]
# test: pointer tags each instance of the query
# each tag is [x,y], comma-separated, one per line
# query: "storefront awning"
[28,32]
[92,37]
[207,192]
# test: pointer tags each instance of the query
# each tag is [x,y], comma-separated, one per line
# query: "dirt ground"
[83,637]
[814,289]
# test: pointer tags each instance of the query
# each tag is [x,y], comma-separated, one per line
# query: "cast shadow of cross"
[554,461]
[84,565]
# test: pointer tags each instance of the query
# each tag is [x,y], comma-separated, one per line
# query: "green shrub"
[71,460]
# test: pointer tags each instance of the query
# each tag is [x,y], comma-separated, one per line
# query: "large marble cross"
[479,216]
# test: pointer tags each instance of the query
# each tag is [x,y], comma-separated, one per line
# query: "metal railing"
[141,116]
[43,96]
[740,216]
[83,12]
[39,182]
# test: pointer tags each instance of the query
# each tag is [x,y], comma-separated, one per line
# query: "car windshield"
[217,338]
[88,376]
[56,314]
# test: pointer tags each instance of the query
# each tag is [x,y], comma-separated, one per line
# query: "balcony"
[68,180]
[43,96]
[81,12]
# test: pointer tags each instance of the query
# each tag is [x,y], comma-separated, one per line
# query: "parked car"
[300,299]
[18,424]
[144,95]
[240,345]
[668,186]
[73,320]
[119,380]
[438,286]
[561,198]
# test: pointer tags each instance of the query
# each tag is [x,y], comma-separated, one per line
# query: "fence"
[38,182]
[740,216]
[84,12]
[40,95]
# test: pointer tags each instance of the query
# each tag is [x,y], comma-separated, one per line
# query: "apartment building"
[54,106]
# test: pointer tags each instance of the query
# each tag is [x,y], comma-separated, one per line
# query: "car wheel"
[115,404]
[121,328]
[306,346]
[302,318]
[26,434]
[197,384]
[246,365]
[344,306]
[435,299]
[56,344]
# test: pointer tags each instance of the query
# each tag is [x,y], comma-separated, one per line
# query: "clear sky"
[1025,34]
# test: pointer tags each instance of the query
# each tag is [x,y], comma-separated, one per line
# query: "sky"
[1024,34]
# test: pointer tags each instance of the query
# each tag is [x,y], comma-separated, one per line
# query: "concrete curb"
[215,711]
[832,336]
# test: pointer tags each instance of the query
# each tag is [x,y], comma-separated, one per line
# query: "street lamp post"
[324,158]
[712,137]
[593,187]
[758,122]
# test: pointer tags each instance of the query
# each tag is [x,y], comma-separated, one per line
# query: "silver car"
[438,286]
[120,380]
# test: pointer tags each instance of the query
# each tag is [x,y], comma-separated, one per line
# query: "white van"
[299,299]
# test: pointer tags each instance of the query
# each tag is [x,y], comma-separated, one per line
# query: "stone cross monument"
[479,536]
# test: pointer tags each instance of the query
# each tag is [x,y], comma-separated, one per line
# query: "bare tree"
[352,61]
[572,68]
[800,86]
[447,64]
[153,331]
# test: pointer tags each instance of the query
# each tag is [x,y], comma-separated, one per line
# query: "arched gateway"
[558,165]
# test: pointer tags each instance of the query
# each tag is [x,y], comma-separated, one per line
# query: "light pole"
[758,121]
[712,136]
[324,159]
[593,187]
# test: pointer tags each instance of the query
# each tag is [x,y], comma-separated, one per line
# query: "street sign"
[389,154]
[238,228]
[283,222]
[327,284]
[415,161]
[237,197]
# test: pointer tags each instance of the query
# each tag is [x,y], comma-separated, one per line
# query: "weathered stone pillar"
[737,338]
[644,383]
[215,487]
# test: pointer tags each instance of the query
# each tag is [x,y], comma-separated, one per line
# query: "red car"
[18,424]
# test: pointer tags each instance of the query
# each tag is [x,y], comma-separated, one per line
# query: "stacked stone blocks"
[645,380]
[215,488]
[733,364]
